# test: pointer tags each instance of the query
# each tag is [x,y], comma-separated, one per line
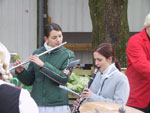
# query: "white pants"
[56,109]
[26,103]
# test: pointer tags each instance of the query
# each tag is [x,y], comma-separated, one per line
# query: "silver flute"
[24,62]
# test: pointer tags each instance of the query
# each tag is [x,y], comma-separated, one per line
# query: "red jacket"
[138,70]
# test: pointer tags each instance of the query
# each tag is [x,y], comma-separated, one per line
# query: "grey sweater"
[110,86]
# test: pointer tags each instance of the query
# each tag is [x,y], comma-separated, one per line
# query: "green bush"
[77,83]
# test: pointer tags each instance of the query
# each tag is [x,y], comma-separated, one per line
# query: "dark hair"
[49,27]
[107,51]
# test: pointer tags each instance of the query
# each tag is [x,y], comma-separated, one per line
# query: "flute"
[24,62]
[76,109]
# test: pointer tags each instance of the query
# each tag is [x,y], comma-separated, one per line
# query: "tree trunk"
[110,24]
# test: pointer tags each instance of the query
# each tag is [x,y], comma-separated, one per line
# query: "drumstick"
[122,109]
[69,90]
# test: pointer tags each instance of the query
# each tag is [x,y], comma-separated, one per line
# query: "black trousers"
[145,110]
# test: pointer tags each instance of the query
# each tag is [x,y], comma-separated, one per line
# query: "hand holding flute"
[34,58]
[20,68]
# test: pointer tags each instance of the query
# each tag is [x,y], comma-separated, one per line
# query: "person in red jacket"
[138,70]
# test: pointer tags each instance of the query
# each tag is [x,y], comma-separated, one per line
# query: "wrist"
[20,70]
[42,64]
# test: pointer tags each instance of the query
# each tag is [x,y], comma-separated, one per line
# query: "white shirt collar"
[47,47]
[108,72]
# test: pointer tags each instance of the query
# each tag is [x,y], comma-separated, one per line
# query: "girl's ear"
[110,59]
[45,38]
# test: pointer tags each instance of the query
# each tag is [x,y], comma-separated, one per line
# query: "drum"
[106,107]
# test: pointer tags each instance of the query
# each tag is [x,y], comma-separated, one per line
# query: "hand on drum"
[20,68]
[86,93]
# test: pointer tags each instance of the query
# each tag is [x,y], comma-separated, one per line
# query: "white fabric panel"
[18,21]
[137,11]
[71,15]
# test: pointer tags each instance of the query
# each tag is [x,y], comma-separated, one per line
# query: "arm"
[137,52]
[55,74]
[26,77]
[121,93]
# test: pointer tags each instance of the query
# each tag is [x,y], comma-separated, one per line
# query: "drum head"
[105,107]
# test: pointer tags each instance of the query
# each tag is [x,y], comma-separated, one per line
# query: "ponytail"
[117,64]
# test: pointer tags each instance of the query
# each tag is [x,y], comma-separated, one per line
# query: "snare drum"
[106,107]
